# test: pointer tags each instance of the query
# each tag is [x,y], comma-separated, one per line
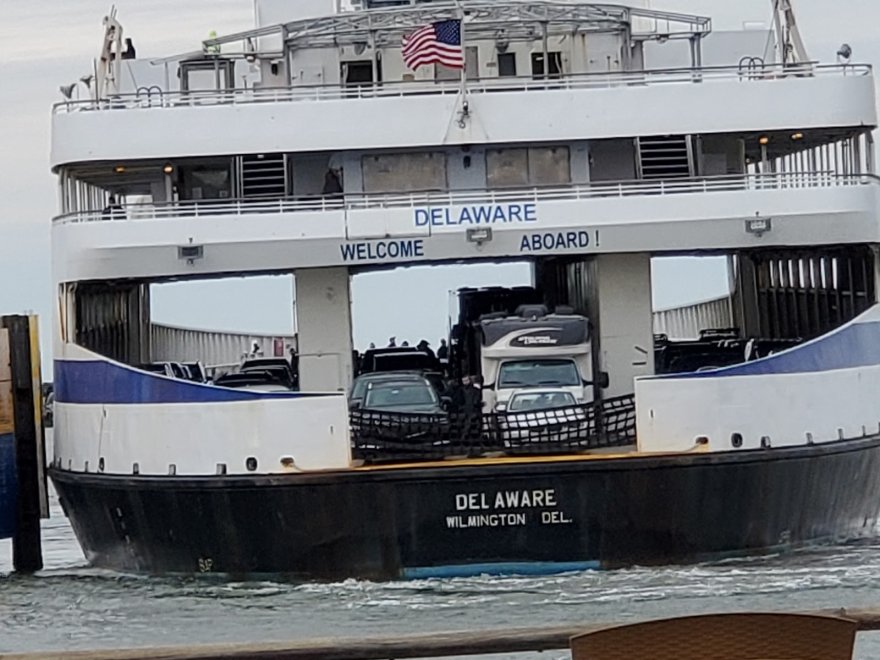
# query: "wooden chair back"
[722,637]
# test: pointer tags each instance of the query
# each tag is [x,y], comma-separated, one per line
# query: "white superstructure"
[585,139]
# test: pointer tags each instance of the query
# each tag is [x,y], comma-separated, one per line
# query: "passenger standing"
[443,350]
[425,347]
[113,210]
[332,184]
[392,342]
[129,53]
[468,404]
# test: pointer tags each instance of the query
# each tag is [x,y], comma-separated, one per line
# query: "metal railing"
[360,201]
[336,92]
[378,436]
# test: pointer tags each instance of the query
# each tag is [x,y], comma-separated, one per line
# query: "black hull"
[391,523]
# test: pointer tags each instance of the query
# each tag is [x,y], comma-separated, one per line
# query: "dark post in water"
[27,553]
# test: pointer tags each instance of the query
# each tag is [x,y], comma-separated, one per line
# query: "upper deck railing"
[360,201]
[154,97]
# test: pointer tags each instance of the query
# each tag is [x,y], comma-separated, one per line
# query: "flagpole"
[463,78]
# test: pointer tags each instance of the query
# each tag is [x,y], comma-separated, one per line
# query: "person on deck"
[129,53]
[392,342]
[425,347]
[443,350]
[113,210]
[332,184]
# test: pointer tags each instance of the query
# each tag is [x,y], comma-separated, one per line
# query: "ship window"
[205,181]
[549,165]
[404,172]
[471,62]
[533,166]
[359,73]
[555,68]
[507,167]
[506,64]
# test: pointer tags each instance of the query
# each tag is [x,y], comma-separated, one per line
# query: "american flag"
[438,42]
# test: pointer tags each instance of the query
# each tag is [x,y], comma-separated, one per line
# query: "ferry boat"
[584,139]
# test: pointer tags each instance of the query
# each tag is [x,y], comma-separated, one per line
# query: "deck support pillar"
[323,322]
[623,319]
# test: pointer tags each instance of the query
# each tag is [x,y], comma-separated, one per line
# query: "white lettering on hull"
[505,509]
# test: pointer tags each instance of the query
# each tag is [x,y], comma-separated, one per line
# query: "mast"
[107,78]
[791,44]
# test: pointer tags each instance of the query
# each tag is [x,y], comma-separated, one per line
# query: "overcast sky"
[45,45]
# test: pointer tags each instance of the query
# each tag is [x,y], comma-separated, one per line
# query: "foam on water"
[69,605]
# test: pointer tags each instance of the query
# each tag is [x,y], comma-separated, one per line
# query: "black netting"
[387,436]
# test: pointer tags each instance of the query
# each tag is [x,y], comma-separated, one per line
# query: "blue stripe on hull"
[100,381]
[853,345]
[8,485]
[495,569]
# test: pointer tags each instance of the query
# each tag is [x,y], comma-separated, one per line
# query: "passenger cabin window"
[360,73]
[532,166]
[471,66]
[506,65]
[555,68]
[389,173]
[206,181]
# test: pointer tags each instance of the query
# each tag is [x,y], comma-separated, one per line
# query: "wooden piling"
[27,551]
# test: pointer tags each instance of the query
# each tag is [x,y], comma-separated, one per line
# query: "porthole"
[736,440]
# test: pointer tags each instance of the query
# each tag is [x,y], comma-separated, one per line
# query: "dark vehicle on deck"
[400,358]
[406,395]
[275,365]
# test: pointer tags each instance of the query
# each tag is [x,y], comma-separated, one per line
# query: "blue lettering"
[367,251]
[482,214]
[554,241]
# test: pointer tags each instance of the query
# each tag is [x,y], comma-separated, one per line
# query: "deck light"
[168,168]
[797,136]
[763,140]
[479,236]
[119,169]
[758,226]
